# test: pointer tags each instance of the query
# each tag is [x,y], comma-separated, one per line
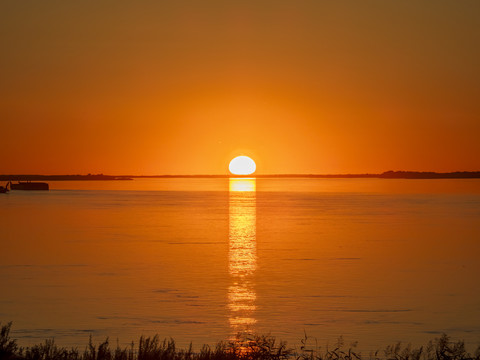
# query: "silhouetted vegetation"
[254,347]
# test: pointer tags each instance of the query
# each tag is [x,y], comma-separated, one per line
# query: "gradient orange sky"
[181,87]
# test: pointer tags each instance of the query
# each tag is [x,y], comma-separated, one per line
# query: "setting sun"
[242,165]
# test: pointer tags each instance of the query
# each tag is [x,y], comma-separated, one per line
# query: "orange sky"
[181,87]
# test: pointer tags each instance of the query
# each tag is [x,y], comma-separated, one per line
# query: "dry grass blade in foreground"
[255,347]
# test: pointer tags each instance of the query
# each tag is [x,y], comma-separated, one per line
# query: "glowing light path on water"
[242,255]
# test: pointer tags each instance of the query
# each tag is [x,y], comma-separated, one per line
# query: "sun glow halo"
[242,165]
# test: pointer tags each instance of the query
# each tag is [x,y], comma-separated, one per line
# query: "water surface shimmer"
[374,260]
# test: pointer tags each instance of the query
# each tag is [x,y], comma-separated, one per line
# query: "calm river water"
[200,260]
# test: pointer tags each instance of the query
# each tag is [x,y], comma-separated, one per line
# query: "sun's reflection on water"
[242,255]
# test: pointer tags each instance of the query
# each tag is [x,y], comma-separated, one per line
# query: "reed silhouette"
[250,347]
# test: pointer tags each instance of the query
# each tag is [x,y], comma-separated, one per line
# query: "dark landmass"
[430,175]
[61,177]
[244,347]
[426,175]
[385,175]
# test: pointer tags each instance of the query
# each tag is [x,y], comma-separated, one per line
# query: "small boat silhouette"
[4,189]
[28,185]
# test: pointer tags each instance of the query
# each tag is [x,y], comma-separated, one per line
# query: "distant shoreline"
[385,175]
[62,177]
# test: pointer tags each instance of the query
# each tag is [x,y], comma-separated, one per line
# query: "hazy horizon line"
[365,174]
